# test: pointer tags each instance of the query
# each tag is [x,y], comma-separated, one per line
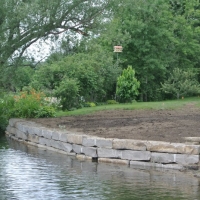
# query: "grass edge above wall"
[161,105]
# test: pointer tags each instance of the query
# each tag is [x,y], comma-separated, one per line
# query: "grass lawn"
[170,104]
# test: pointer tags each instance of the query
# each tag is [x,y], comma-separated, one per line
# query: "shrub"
[111,101]
[127,85]
[31,105]
[68,91]
[89,104]
[6,106]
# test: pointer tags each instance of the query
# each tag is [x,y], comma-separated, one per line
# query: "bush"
[127,86]
[23,105]
[31,105]
[111,102]
[6,106]
[68,91]
[89,104]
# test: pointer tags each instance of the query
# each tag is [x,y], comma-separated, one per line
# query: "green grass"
[162,105]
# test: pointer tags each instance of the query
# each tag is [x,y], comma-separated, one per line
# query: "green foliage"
[31,105]
[68,92]
[127,85]
[111,101]
[89,104]
[93,71]
[28,26]
[181,83]
[6,107]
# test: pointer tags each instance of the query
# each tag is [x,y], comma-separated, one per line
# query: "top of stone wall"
[112,143]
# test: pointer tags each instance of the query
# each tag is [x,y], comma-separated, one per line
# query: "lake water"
[31,173]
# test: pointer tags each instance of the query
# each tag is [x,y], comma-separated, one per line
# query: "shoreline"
[138,154]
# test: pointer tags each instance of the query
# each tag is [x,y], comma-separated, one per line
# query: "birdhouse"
[117,49]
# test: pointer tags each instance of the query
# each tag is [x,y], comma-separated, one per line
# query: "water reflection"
[36,174]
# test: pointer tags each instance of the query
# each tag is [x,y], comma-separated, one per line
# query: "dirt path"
[158,125]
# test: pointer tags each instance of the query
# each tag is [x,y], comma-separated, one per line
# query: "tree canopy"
[23,22]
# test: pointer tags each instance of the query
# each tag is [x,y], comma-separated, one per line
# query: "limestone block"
[129,144]
[136,155]
[90,151]
[157,146]
[66,146]
[104,142]
[77,148]
[33,138]
[44,141]
[37,130]
[63,137]
[83,157]
[149,165]
[74,138]
[11,130]
[186,159]
[28,129]
[20,134]
[163,158]
[56,135]
[56,144]
[47,133]
[20,126]
[13,121]
[114,161]
[89,141]
[108,153]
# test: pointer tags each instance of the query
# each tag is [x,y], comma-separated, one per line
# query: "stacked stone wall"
[135,153]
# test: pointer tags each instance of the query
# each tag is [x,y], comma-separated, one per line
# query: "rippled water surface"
[31,173]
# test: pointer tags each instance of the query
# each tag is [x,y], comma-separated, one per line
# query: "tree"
[68,92]
[181,83]
[23,22]
[127,85]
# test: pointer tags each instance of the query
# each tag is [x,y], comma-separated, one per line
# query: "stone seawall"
[135,153]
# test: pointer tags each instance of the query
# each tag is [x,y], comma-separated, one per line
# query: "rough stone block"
[74,138]
[166,147]
[13,121]
[108,153]
[20,126]
[89,141]
[90,151]
[83,157]
[114,161]
[47,133]
[20,134]
[186,159]
[56,144]
[136,155]
[44,141]
[149,165]
[66,146]
[63,137]
[11,130]
[129,144]
[56,135]
[163,158]
[104,142]
[33,138]
[37,131]
[77,148]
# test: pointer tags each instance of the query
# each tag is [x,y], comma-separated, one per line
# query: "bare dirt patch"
[157,125]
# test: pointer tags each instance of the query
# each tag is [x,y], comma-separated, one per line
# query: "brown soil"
[158,125]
